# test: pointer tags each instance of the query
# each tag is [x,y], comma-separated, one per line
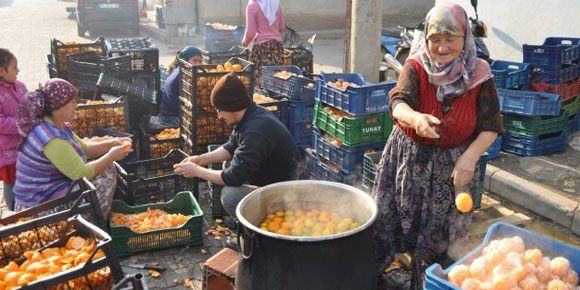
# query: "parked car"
[107,13]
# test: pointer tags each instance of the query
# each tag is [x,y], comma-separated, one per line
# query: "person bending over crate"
[260,147]
[51,155]
[447,114]
[169,108]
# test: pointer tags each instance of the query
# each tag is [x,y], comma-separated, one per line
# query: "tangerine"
[557,285]
[571,277]
[560,266]
[283,231]
[463,202]
[273,227]
[458,274]
[237,67]
[530,282]
[533,256]
[470,284]
[279,213]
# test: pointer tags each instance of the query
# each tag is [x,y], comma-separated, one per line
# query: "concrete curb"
[533,197]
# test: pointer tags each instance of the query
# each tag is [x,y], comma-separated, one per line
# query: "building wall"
[516,22]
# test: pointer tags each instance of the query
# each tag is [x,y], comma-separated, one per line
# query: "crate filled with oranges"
[278,106]
[157,143]
[156,226]
[60,50]
[200,129]
[288,81]
[91,115]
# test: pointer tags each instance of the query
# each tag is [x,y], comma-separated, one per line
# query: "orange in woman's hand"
[463,202]
[127,145]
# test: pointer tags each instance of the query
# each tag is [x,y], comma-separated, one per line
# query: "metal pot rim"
[353,189]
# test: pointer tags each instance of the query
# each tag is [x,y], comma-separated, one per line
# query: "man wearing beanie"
[260,148]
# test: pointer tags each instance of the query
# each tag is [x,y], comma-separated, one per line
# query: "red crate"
[567,90]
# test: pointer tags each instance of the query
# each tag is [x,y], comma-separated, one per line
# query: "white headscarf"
[269,8]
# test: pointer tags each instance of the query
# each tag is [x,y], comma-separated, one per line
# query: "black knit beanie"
[230,94]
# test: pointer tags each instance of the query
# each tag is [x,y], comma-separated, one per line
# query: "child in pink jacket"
[11,92]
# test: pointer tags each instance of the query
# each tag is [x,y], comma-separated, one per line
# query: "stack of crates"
[289,82]
[200,125]
[57,59]
[351,118]
[221,38]
[555,70]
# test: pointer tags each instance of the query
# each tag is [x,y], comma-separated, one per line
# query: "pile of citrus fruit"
[304,223]
[505,264]
[50,261]
[150,220]
[342,84]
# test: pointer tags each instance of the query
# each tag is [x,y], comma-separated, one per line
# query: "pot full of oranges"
[311,234]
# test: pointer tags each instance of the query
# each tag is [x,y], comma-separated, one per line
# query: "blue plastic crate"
[323,171]
[494,149]
[301,131]
[554,76]
[573,124]
[436,277]
[217,40]
[525,145]
[348,158]
[509,74]
[358,101]
[554,52]
[296,87]
[301,111]
[529,103]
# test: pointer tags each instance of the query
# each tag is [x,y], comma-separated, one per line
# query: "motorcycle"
[409,42]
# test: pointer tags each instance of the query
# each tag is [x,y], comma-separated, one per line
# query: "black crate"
[133,156]
[200,129]
[113,115]
[152,180]
[221,57]
[197,81]
[152,81]
[94,274]
[279,107]
[134,281]
[50,66]
[83,70]
[60,50]
[300,57]
[143,51]
[156,148]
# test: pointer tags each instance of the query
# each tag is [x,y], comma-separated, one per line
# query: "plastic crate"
[436,277]
[152,180]
[50,67]
[143,51]
[222,39]
[200,129]
[567,90]
[554,52]
[321,170]
[354,131]
[134,281]
[348,158]
[153,148]
[197,82]
[370,169]
[494,149]
[529,103]
[572,105]
[536,125]
[300,57]
[507,74]
[296,87]
[214,166]
[278,107]
[127,242]
[554,76]
[113,115]
[133,156]
[301,131]
[60,50]
[573,124]
[215,204]
[220,57]
[524,145]
[301,111]
[363,100]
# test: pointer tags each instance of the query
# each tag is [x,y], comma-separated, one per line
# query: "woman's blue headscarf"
[189,52]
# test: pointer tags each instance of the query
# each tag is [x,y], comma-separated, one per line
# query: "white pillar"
[365,31]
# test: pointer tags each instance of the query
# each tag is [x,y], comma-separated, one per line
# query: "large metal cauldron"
[270,261]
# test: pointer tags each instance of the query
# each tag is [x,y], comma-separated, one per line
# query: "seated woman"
[51,156]
[169,108]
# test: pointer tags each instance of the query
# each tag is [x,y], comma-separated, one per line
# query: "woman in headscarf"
[264,26]
[447,114]
[51,155]
[169,108]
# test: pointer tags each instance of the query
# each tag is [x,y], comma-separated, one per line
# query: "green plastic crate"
[354,131]
[536,125]
[572,106]
[127,242]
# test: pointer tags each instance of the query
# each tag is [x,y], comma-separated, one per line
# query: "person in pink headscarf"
[447,114]
[51,155]
[264,26]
